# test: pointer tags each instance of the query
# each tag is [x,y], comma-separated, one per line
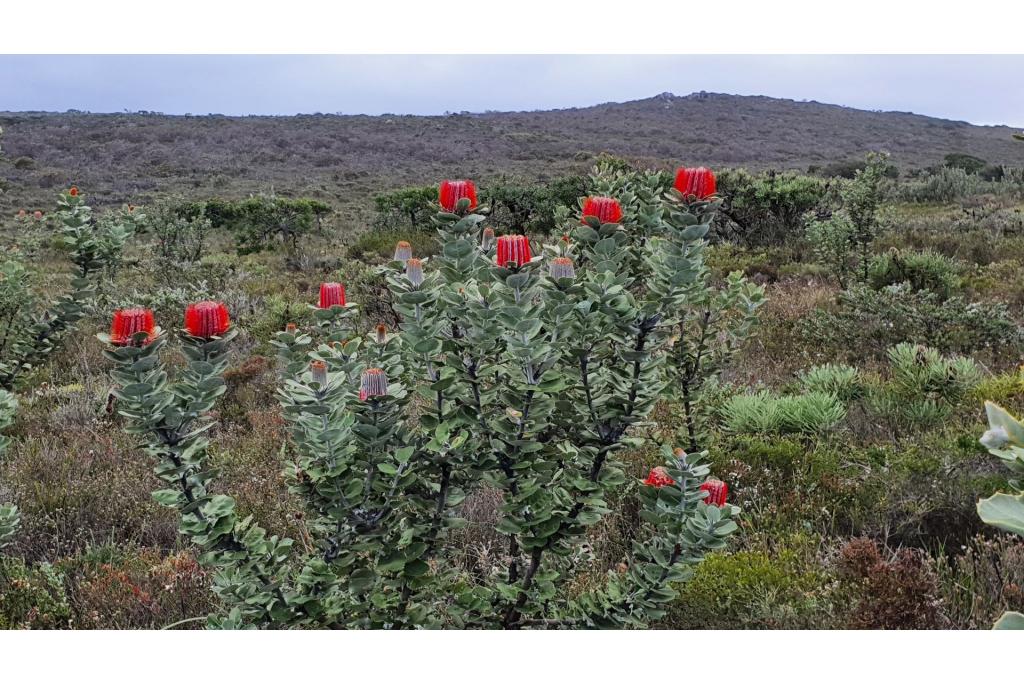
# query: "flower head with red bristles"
[414,271]
[696,183]
[659,478]
[73,192]
[382,334]
[606,209]
[37,214]
[403,251]
[717,492]
[318,370]
[207,319]
[451,193]
[561,267]
[332,295]
[128,325]
[514,249]
[487,238]
[373,383]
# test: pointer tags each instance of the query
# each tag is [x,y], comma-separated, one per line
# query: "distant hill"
[344,159]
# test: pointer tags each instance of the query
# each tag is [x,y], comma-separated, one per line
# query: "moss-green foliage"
[32,596]
[756,589]
[921,270]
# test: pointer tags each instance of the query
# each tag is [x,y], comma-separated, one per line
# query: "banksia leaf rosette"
[403,251]
[457,197]
[659,478]
[717,492]
[332,295]
[513,250]
[695,184]
[132,327]
[207,319]
[606,210]
[373,383]
[561,267]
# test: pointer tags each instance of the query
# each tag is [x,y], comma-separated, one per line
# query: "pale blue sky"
[982,89]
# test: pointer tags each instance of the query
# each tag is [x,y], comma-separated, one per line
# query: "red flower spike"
[451,192]
[561,267]
[606,209]
[717,492]
[207,319]
[696,183]
[414,271]
[403,251]
[373,383]
[290,328]
[382,334]
[319,371]
[37,214]
[331,295]
[514,249]
[128,323]
[21,212]
[73,192]
[659,478]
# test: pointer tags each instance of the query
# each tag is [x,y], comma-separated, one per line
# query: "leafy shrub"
[260,221]
[944,185]
[833,240]
[867,322]
[968,163]
[812,413]
[839,380]
[767,209]
[32,596]
[521,207]
[406,209]
[920,270]
[180,238]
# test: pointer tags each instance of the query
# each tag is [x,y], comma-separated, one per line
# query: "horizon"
[430,85]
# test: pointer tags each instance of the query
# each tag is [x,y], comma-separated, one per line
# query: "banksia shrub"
[698,183]
[524,383]
[457,196]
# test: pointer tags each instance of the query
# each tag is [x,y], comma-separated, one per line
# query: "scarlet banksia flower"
[21,212]
[659,478]
[319,372]
[290,328]
[562,267]
[331,295]
[414,271]
[37,214]
[373,383]
[698,183]
[451,192]
[131,322]
[73,192]
[382,334]
[717,492]
[487,238]
[403,251]
[606,209]
[207,319]
[514,249]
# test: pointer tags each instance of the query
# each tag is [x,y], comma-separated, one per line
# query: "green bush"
[405,209]
[968,163]
[31,596]
[260,221]
[766,209]
[920,270]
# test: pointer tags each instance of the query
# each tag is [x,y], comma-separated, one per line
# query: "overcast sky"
[979,89]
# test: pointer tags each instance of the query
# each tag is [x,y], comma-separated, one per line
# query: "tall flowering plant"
[518,369]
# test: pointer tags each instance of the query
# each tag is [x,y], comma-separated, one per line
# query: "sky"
[981,89]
